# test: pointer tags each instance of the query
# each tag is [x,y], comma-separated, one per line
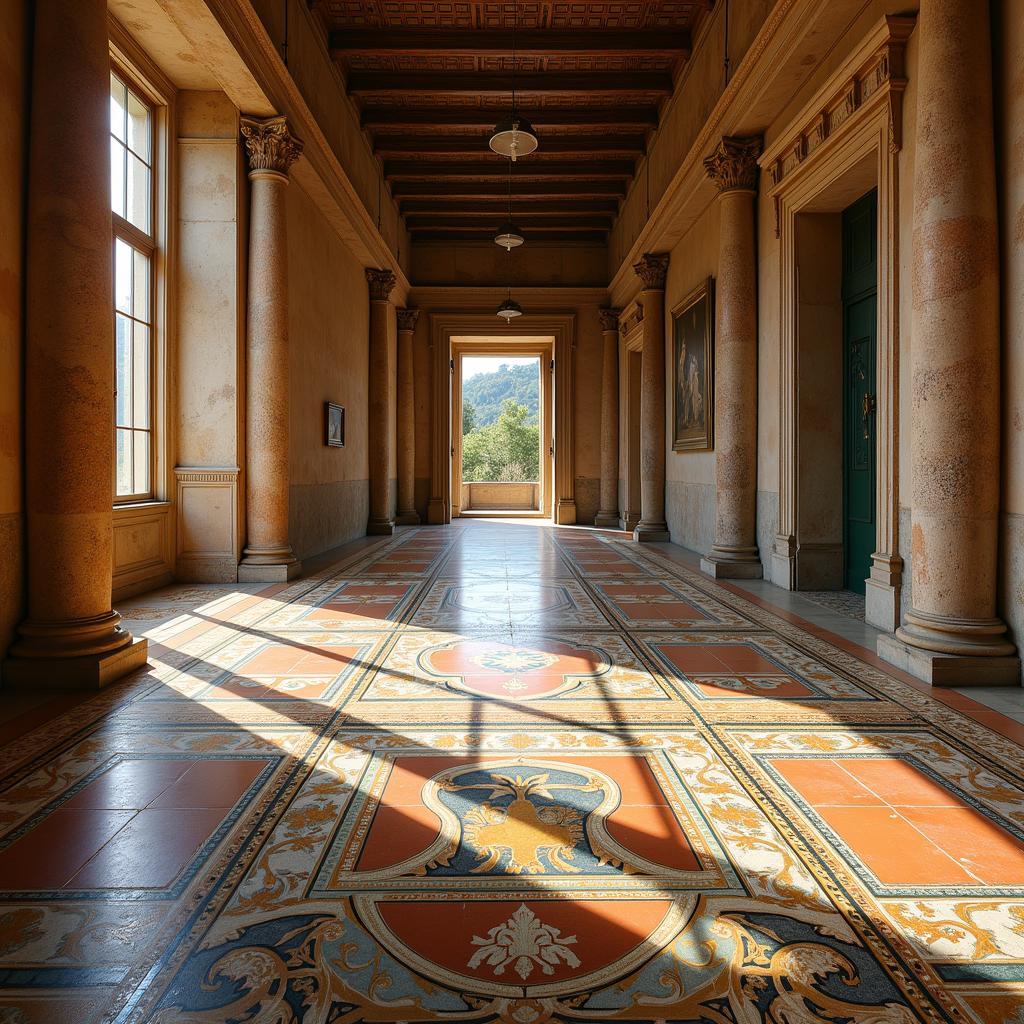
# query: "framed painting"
[334,425]
[693,373]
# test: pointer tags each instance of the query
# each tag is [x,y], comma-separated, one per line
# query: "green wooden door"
[860,300]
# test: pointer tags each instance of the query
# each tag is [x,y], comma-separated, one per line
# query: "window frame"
[149,85]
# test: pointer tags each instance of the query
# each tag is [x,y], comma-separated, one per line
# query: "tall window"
[132,193]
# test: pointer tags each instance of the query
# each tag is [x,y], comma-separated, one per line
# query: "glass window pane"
[118,102]
[124,462]
[117,154]
[123,371]
[140,377]
[140,287]
[139,133]
[141,444]
[122,276]
[138,193]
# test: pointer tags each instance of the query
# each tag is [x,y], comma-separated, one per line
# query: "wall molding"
[207,538]
[803,176]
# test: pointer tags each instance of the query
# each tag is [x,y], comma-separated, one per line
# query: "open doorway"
[502,446]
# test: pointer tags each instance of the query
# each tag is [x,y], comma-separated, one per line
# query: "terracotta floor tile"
[131,784]
[893,849]
[980,845]
[150,851]
[899,783]
[58,846]
[398,832]
[694,658]
[211,784]
[824,783]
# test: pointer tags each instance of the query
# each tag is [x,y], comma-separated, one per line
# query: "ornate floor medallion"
[498,774]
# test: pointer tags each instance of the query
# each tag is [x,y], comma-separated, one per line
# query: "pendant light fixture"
[509,236]
[514,136]
[509,309]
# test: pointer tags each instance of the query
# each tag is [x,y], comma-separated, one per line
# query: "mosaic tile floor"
[501,772]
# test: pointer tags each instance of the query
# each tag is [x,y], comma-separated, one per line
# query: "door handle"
[867,408]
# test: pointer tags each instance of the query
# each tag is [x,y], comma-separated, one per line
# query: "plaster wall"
[328,324]
[689,476]
[319,81]
[14,71]
[209,370]
[684,114]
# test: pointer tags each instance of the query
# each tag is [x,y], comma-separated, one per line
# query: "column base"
[629,521]
[607,520]
[649,533]
[937,669]
[739,564]
[268,567]
[408,518]
[90,672]
[380,527]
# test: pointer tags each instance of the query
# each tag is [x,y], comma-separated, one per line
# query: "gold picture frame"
[693,371]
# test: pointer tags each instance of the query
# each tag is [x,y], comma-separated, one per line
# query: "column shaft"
[72,636]
[407,514]
[952,635]
[734,168]
[268,556]
[380,426]
[652,270]
[608,514]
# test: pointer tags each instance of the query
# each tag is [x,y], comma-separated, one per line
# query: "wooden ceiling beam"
[635,117]
[527,224]
[587,170]
[565,208]
[476,145]
[593,237]
[391,42]
[498,190]
[491,83]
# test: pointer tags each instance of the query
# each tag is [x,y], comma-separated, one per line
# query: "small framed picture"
[334,425]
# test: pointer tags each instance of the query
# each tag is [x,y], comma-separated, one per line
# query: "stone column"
[652,270]
[407,514]
[380,427]
[952,636]
[71,635]
[609,506]
[733,168]
[268,557]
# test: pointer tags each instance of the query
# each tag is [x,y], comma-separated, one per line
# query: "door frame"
[561,328]
[543,349]
[854,122]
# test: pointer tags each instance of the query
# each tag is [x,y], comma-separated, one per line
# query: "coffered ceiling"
[432,79]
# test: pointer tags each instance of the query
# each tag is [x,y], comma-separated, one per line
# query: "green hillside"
[487,391]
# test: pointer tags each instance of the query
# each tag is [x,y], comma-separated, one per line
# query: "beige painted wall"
[209,369]
[689,476]
[320,83]
[328,323]
[684,115]
[14,69]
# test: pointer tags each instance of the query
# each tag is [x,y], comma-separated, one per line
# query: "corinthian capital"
[609,319]
[733,165]
[269,145]
[381,283]
[652,270]
[407,319]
